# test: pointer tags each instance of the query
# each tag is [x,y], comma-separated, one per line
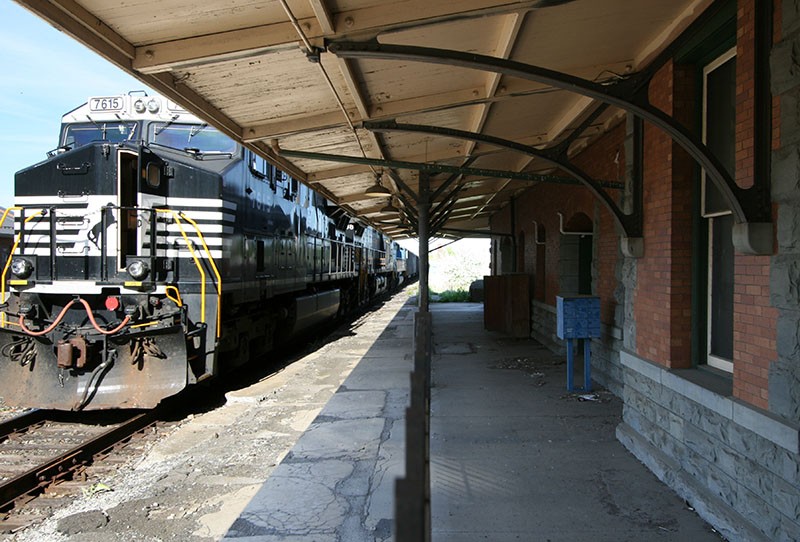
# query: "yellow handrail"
[177,217]
[11,255]
[213,266]
[177,298]
[196,261]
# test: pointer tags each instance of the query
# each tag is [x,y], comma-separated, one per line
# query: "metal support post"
[423,213]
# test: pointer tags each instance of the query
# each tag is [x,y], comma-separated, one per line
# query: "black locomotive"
[151,252]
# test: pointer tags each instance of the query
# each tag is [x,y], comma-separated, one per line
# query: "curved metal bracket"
[630,225]
[748,205]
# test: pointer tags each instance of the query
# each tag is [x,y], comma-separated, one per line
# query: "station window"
[719,117]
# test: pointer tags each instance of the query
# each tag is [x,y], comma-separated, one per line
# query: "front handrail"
[11,254]
[213,267]
[177,217]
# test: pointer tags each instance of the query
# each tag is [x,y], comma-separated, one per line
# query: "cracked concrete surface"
[514,456]
[284,459]
[337,483]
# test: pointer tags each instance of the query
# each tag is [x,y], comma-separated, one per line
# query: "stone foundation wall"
[784,373]
[543,327]
[737,466]
[606,367]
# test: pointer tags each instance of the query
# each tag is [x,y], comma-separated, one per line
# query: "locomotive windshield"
[197,138]
[77,135]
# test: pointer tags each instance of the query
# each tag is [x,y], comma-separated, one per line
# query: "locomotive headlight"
[21,268]
[153,106]
[139,106]
[138,269]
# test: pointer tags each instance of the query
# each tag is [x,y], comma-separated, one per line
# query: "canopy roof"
[282,78]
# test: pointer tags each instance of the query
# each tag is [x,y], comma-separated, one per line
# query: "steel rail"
[22,422]
[39,477]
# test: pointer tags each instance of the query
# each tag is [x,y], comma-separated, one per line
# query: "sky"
[45,73]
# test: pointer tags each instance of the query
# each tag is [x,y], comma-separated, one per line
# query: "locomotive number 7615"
[106,104]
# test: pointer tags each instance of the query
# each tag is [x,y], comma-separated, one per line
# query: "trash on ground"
[95,488]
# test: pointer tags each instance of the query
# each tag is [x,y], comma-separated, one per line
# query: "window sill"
[709,378]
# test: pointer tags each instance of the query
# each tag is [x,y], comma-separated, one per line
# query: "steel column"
[423,229]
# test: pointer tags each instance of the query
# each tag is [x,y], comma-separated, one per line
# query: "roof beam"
[281,127]
[352,86]
[327,174]
[552,157]
[323,16]
[211,48]
[490,200]
[578,109]
[425,104]
[354,198]
[366,22]
[473,193]
[675,28]
[386,110]
[376,209]
[337,173]
[72,19]
[428,167]
[508,38]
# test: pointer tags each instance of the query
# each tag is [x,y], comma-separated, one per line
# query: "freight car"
[152,252]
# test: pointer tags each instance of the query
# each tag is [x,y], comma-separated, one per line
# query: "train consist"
[152,252]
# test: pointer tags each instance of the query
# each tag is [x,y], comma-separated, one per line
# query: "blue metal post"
[587,365]
[570,356]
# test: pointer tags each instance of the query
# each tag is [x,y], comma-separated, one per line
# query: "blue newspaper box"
[578,317]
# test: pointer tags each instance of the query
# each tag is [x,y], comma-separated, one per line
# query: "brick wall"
[754,335]
[540,203]
[663,292]
[604,159]
[754,330]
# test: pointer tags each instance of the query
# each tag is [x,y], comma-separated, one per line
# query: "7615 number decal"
[113,103]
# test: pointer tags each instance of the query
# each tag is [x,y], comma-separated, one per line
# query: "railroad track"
[42,449]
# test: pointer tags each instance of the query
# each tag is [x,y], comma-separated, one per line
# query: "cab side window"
[259,166]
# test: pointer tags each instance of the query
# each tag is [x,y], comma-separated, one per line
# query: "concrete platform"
[513,455]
